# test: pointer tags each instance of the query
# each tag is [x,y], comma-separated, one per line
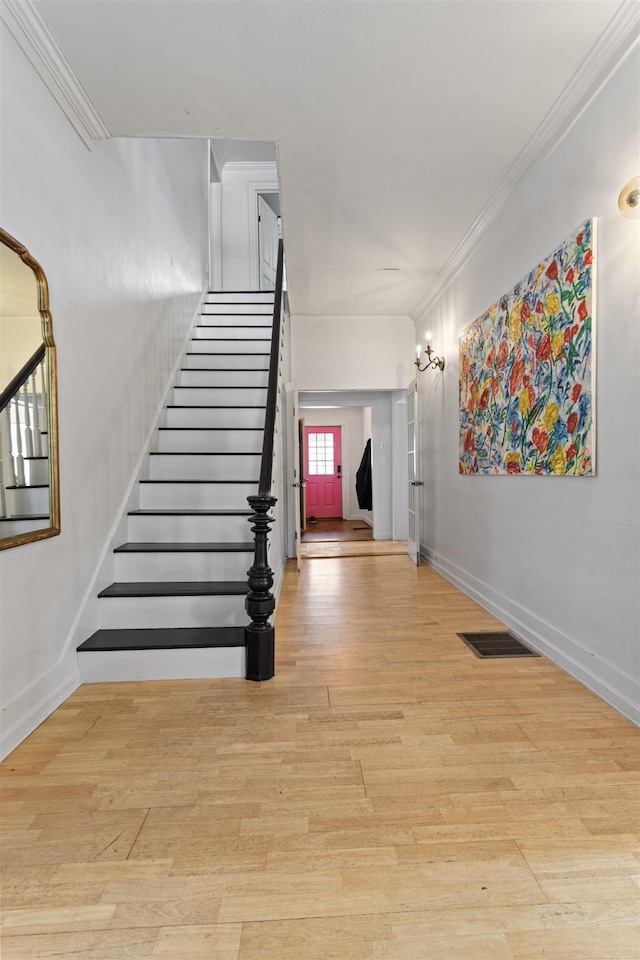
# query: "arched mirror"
[29,482]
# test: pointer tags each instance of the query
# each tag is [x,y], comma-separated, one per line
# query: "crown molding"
[602,61]
[263,171]
[32,35]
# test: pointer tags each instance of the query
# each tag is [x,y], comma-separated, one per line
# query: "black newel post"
[260,603]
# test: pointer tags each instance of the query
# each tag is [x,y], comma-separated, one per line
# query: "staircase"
[24,460]
[177,606]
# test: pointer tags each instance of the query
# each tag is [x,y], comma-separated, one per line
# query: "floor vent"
[496,644]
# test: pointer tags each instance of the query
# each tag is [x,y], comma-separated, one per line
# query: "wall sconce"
[629,199]
[431,362]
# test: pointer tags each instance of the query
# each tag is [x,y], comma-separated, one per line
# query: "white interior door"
[267,244]
[294,473]
[413,536]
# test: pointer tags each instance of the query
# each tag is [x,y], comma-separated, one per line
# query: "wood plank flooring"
[388,796]
[358,548]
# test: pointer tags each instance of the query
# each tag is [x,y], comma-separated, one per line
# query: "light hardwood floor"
[387,796]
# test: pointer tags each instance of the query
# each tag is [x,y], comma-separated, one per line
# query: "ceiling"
[395,120]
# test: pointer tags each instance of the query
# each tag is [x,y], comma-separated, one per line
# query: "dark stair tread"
[232,339]
[184,547]
[177,588]
[199,353]
[204,453]
[214,406]
[189,513]
[30,486]
[222,369]
[220,386]
[175,638]
[233,429]
[199,481]
[23,516]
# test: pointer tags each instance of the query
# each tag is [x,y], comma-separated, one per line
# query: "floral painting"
[527,372]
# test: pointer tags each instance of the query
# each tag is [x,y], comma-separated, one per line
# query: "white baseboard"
[278,577]
[596,672]
[24,713]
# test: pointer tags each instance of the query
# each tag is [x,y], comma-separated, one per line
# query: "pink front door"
[323,455]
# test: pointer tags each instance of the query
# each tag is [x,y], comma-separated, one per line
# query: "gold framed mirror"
[29,473]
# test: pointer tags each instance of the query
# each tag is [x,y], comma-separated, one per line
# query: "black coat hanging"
[363,480]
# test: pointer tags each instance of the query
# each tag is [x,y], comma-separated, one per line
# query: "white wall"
[353,353]
[555,558]
[20,337]
[121,232]
[241,183]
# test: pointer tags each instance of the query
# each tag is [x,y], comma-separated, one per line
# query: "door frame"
[413,471]
[319,427]
[254,187]
[380,402]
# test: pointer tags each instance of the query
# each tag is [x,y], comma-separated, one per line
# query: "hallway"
[387,795]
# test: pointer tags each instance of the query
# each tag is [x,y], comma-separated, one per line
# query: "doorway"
[323,472]
[269,232]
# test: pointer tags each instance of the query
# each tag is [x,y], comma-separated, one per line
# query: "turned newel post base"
[260,603]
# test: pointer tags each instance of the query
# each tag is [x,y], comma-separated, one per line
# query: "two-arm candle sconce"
[431,362]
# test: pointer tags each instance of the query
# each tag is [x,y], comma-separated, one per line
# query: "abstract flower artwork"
[527,372]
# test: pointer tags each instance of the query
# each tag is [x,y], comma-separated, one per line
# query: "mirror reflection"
[29,496]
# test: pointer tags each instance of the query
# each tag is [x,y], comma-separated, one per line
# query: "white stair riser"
[225,320]
[133,613]
[109,666]
[13,528]
[250,416]
[196,496]
[207,466]
[223,378]
[220,396]
[264,308]
[37,471]
[175,528]
[28,500]
[173,566]
[254,296]
[238,335]
[219,345]
[231,361]
[210,441]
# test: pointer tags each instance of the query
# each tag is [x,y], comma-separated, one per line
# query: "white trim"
[217,155]
[32,34]
[32,706]
[278,578]
[609,682]
[215,236]
[615,44]
[261,171]
[254,189]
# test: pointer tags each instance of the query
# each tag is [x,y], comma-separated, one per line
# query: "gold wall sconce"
[629,199]
[431,362]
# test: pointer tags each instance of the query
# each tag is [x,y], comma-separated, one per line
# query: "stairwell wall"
[121,232]
[556,558]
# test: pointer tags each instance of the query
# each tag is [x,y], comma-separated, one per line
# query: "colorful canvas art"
[527,372]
